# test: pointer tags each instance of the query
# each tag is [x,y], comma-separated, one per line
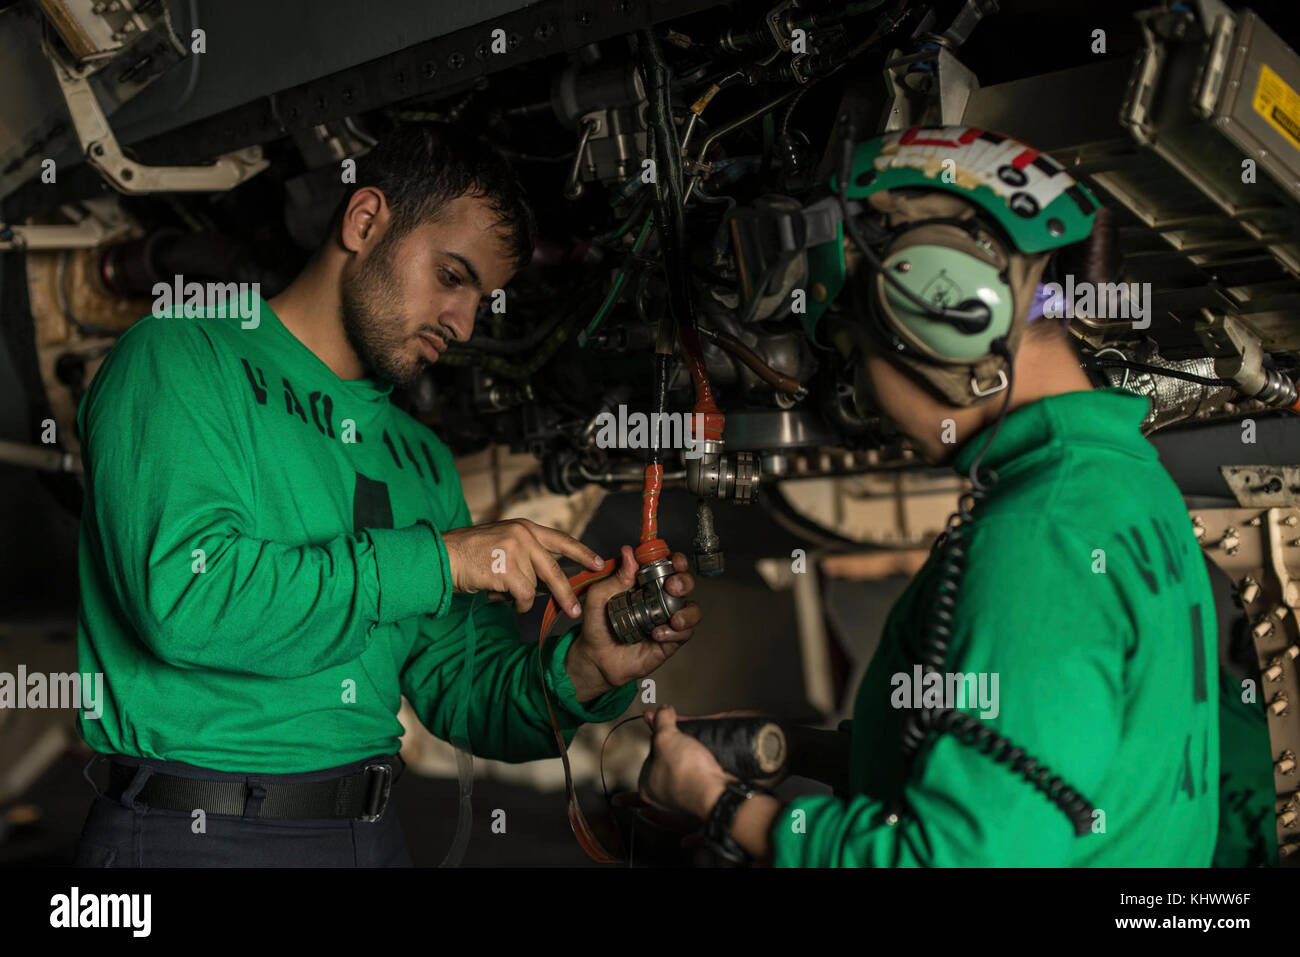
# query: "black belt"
[361,796]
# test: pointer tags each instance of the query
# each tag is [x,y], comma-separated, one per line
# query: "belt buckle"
[377,795]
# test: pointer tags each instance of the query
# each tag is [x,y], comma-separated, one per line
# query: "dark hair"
[422,167]
[1096,259]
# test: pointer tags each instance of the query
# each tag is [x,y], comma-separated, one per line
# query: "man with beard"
[272,553]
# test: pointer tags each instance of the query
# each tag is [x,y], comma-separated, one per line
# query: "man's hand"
[682,781]
[597,662]
[680,774]
[511,556]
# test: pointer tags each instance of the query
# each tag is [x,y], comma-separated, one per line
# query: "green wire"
[605,239]
[618,284]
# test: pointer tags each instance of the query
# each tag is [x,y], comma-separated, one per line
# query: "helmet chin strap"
[929,376]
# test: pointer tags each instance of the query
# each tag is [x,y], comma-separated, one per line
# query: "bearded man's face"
[412,294]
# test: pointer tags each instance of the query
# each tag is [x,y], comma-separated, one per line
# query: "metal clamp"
[104,153]
[981,393]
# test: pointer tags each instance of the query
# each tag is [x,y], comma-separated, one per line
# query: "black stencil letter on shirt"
[1144,567]
[392,448]
[371,507]
[407,449]
[259,391]
[291,403]
[433,469]
[1173,567]
[1198,656]
[328,404]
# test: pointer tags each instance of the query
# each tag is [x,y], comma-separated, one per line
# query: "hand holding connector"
[634,614]
[599,660]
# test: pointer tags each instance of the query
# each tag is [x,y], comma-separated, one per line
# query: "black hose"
[783,513]
[667,187]
[461,354]
[1157,370]
[662,363]
[523,344]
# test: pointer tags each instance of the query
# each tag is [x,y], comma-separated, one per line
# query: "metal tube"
[736,124]
[37,457]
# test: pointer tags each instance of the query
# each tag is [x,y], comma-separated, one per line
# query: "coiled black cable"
[950,568]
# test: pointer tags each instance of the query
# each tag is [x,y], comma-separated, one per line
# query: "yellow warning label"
[1279,105]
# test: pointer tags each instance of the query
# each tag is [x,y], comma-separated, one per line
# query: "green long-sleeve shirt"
[262,570]
[1247,819]
[1086,594]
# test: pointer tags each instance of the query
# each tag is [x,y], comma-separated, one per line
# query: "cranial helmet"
[964,221]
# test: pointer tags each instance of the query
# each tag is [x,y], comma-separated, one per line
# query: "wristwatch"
[717,827]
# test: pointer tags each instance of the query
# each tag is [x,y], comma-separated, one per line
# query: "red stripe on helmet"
[1025,158]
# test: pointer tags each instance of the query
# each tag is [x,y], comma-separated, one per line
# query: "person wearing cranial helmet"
[1045,690]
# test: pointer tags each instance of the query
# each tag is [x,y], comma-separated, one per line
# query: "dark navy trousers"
[125,833]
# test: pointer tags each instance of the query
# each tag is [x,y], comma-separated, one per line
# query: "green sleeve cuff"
[607,707]
[791,844]
[414,573]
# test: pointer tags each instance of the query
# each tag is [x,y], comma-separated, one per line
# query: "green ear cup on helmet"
[949,278]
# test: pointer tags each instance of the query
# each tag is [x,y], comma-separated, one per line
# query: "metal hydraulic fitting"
[1239,358]
[715,474]
[634,614]
[708,546]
